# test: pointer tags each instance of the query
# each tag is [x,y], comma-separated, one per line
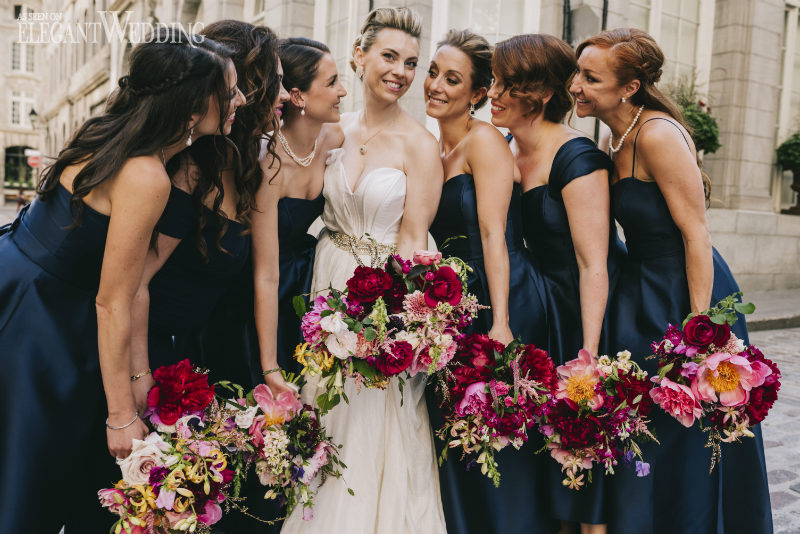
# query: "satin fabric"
[471,502]
[386,444]
[548,238]
[51,393]
[679,495]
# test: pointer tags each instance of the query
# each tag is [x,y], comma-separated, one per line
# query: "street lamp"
[33,117]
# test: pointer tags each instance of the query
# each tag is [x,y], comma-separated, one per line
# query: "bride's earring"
[189,139]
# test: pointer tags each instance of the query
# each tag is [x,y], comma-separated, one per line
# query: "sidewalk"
[776,309]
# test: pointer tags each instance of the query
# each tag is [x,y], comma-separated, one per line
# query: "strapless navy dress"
[229,344]
[51,393]
[653,292]
[190,285]
[548,238]
[471,502]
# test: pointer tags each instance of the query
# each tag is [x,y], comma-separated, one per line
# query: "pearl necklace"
[303,162]
[611,148]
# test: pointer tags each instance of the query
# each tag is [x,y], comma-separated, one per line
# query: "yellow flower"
[313,361]
[580,388]
[145,499]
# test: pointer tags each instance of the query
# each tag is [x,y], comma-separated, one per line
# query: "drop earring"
[472,109]
[189,139]
[303,110]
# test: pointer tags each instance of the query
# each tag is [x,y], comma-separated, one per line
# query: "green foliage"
[789,153]
[705,132]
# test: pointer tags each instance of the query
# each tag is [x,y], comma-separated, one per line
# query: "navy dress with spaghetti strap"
[51,393]
[549,240]
[471,502]
[653,292]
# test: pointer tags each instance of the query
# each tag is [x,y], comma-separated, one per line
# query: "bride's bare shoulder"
[415,134]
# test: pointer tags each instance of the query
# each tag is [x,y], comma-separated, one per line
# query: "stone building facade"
[743,56]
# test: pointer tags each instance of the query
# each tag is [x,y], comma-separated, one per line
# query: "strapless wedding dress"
[387,447]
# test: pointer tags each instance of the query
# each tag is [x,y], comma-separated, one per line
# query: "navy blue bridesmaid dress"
[679,495]
[51,393]
[548,238]
[471,502]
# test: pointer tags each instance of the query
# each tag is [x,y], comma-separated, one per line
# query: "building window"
[21,105]
[22,57]
[679,22]
[258,7]
[789,108]
[639,14]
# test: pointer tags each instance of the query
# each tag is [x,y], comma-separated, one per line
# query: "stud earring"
[189,139]
[623,99]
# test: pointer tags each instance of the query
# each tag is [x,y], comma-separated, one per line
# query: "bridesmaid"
[566,215]
[69,268]
[291,200]
[479,213]
[672,269]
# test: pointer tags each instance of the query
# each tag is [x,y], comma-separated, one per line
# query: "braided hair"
[172,76]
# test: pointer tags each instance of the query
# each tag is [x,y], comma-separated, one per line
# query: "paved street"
[782,428]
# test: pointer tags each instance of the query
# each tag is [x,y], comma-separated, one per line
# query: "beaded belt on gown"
[377,252]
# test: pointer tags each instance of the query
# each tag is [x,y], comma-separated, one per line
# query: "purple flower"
[628,457]
[642,469]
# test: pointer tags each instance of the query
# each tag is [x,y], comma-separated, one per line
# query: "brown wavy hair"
[479,52]
[172,76]
[636,56]
[529,66]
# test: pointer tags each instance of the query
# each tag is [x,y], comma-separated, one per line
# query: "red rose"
[367,284]
[701,332]
[178,391]
[395,360]
[445,287]
[462,377]
[394,295]
[537,365]
[629,387]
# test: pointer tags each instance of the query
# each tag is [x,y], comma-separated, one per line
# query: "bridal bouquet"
[291,447]
[706,373]
[177,477]
[596,414]
[489,395]
[391,322]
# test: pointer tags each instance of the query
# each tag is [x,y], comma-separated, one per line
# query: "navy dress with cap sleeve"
[549,241]
[51,393]
[471,502]
[679,495]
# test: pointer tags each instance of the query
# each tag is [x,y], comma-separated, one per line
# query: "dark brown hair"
[479,52]
[530,66]
[172,76]
[300,58]
[637,56]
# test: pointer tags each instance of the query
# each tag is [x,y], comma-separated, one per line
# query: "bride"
[381,192]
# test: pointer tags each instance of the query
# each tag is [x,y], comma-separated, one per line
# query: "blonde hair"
[396,18]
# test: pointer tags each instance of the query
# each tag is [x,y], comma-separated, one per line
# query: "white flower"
[410,337]
[144,456]
[333,323]
[244,418]
[265,475]
[624,355]
[343,344]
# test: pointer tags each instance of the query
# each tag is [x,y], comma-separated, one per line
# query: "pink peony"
[729,376]
[578,380]
[312,331]
[677,400]
[316,462]
[211,514]
[427,257]
[276,409]
[474,401]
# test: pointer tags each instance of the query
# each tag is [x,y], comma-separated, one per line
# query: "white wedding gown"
[388,448]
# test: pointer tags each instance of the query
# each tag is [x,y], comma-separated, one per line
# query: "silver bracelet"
[135,417]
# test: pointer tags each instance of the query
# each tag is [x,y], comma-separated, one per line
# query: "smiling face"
[322,97]
[209,124]
[507,111]
[389,64]
[283,95]
[595,86]
[448,85]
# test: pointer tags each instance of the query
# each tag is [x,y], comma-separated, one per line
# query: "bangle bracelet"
[268,371]
[136,377]
[135,417]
